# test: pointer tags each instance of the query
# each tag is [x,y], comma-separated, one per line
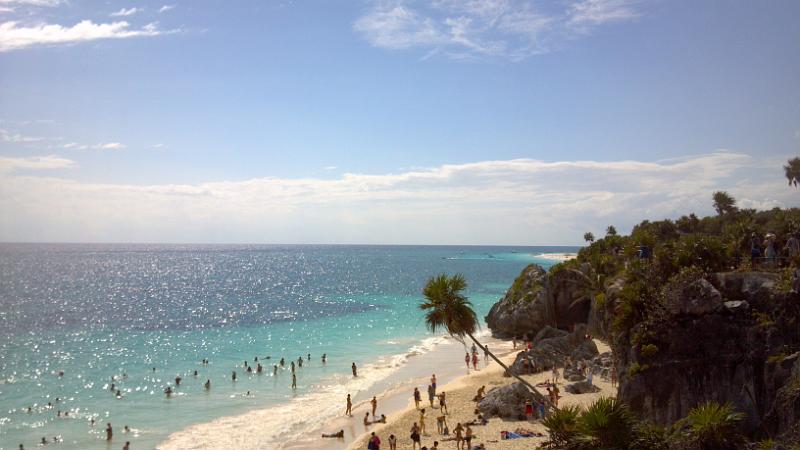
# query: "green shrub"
[648,350]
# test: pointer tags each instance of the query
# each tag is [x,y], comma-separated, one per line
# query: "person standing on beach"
[555,374]
[468,437]
[486,355]
[415,437]
[459,437]
[466,360]
[475,361]
[431,394]
[514,341]
[443,403]
[417,398]
[433,383]
[355,370]
[374,403]
[109,432]
[422,421]
[392,442]
[349,410]
[294,381]
[374,442]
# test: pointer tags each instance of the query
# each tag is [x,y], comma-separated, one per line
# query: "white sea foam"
[279,426]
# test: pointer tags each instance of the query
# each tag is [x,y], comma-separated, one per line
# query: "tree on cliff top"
[724,203]
[588,237]
[447,307]
[792,170]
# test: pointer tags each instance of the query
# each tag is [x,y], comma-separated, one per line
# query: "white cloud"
[14,36]
[596,12]
[125,12]
[466,29]
[166,8]
[100,146]
[8,136]
[49,3]
[10,164]
[505,202]
[329,168]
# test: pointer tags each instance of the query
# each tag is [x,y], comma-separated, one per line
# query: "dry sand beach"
[460,393]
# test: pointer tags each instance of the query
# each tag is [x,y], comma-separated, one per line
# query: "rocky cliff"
[538,299]
[726,337]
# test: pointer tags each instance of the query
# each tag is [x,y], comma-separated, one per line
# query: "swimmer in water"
[178,381]
[274,370]
[294,381]
[109,432]
[233,375]
[207,385]
[324,358]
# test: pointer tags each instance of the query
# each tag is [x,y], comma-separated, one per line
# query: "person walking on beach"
[514,341]
[458,430]
[475,361]
[468,437]
[422,421]
[355,370]
[294,381]
[415,437]
[486,355]
[374,403]
[443,403]
[555,374]
[466,360]
[349,410]
[431,394]
[109,432]
[392,442]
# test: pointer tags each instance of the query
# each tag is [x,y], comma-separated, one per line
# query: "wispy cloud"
[48,3]
[597,12]
[10,164]
[8,136]
[467,29]
[510,201]
[166,8]
[14,36]
[124,12]
[100,146]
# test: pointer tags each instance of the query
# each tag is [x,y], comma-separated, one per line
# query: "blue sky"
[355,122]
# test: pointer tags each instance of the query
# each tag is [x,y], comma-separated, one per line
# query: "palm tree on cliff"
[447,307]
[792,171]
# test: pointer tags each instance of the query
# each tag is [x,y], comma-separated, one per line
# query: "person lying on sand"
[339,434]
[479,421]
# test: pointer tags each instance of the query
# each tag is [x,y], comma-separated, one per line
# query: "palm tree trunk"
[508,370]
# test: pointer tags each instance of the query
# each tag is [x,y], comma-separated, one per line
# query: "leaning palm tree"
[448,308]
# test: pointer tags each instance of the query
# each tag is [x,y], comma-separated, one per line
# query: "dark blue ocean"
[105,314]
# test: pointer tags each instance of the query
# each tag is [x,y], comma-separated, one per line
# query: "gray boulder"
[581,387]
[507,402]
[696,298]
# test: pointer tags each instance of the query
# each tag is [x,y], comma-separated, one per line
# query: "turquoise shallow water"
[102,311]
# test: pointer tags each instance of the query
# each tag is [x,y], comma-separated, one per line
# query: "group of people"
[766,249]
[473,357]
[255,367]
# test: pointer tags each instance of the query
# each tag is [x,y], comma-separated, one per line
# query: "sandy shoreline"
[460,393]
[561,257]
